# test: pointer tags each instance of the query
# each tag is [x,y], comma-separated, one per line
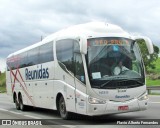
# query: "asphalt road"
[8,111]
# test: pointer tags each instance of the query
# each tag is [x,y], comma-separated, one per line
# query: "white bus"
[91,69]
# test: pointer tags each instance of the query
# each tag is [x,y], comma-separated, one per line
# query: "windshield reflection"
[113,59]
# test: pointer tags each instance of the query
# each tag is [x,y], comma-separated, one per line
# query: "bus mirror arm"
[148,42]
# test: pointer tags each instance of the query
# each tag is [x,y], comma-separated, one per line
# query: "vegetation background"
[2,82]
[152,64]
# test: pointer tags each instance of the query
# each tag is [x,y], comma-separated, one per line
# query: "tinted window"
[11,63]
[46,53]
[23,60]
[64,50]
[33,56]
[79,69]
[76,47]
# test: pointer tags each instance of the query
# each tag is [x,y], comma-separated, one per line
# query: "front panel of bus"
[116,75]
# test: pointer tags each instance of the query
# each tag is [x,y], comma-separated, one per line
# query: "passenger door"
[80,84]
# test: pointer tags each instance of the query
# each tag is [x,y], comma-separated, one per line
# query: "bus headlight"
[96,101]
[144,96]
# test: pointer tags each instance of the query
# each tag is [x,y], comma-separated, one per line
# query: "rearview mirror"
[148,42]
[83,45]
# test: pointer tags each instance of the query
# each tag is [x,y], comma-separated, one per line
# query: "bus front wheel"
[62,109]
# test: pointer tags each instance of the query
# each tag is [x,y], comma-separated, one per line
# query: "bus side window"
[32,57]
[64,51]
[23,60]
[79,69]
[46,53]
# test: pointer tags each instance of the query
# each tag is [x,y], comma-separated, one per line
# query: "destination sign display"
[109,41]
[112,41]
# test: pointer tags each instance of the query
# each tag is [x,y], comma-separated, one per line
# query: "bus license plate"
[123,108]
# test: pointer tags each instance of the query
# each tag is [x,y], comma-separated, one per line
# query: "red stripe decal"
[21,85]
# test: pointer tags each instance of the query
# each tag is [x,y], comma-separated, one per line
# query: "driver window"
[79,69]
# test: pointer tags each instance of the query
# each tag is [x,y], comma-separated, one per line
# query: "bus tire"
[62,109]
[16,103]
[21,105]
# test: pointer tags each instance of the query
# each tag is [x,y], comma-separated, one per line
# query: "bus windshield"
[114,62]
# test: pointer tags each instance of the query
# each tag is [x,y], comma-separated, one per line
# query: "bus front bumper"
[112,107]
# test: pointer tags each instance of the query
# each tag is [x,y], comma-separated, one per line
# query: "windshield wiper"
[114,78]
[139,82]
[104,84]
[121,80]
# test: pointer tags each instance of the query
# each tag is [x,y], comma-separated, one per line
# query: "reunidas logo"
[41,73]
[124,96]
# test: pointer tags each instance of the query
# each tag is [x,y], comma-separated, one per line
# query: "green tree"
[147,58]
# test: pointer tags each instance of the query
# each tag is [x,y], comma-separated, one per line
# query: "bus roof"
[90,30]
[87,30]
